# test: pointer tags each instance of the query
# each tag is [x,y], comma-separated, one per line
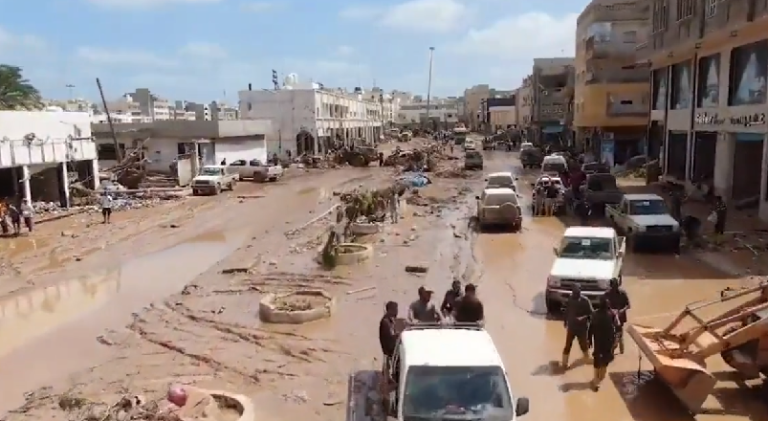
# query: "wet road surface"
[514,268]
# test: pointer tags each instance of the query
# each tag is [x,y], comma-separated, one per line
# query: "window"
[107,151]
[659,16]
[708,89]
[748,72]
[684,9]
[711,8]
[629,37]
[681,86]
[238,163]
[660,78]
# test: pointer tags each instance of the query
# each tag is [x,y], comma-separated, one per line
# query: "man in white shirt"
[106,206]
[28,214]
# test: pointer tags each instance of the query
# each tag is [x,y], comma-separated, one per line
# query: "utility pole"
[118,152]
[429,81]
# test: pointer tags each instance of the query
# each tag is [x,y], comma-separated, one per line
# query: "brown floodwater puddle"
[13,247]
[49,332]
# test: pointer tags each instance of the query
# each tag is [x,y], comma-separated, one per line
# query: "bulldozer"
[739,335]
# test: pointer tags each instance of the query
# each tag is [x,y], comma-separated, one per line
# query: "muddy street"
[203,328]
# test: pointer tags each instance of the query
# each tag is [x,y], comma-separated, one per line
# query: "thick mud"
[209,334]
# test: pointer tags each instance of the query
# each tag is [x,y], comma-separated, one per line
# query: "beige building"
[501,113]
[524,100]
[473,100]
[708,91]
[611,97]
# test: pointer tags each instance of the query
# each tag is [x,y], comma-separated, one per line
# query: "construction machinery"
[739,335]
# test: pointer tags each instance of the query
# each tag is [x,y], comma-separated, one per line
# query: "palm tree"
[16,93]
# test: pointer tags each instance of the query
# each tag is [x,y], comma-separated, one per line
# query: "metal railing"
[618,76]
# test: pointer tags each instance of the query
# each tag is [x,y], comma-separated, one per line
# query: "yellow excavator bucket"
[688,379]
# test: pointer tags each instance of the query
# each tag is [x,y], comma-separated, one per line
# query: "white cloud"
[522,37]
[261,6]
[426,15]
[146,4]
[10,40]
[344,50]
[203,50]
[133,58]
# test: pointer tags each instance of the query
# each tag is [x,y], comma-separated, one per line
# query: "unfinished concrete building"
[710,65]
[611,96]
[548,93]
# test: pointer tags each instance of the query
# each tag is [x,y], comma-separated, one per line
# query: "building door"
[207,153]
[677,154]
[747,166]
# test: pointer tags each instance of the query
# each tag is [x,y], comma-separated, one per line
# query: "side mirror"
[522,407]
[555,251]
[477,197]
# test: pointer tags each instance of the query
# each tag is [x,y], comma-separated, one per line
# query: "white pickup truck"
[256,170]
[645,221]
[587,256]
[212,179]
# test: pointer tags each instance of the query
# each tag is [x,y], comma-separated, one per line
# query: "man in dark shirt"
[618,302]
[578,309]
[387,332]
[469,309]
[602,333]
[452,296]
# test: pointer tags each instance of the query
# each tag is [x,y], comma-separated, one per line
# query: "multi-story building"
[545,110]
[708,89]
[390,104]
[473,98]
[310,119]
[442,115]
[611,99]
[500,113]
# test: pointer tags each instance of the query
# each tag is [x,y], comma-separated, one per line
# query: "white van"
[554,164]
[437,376]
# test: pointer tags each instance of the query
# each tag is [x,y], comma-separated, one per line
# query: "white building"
[443,114]
[41,152]
[308,118]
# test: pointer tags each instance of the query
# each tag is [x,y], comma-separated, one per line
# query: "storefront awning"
[552,129]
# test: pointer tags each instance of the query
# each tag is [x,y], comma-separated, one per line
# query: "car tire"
[553,307]
[218,189]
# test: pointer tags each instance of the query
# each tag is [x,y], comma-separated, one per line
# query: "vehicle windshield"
[648,207]
[500,199]
[460,393]
[210,171]
[586,248]
[501,181]
[554,166]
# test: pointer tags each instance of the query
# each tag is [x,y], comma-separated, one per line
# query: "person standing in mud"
[388,332]
[394,206]
[422,310]
[381,159]
[28,214]
[721,212]
[618,302]
[106,207]
[15,215]
[676,209]
[469,309]
[602,333]
[578,309]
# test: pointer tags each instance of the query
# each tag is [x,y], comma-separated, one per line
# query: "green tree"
[17,93]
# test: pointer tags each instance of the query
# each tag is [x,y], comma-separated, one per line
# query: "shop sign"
[716,120]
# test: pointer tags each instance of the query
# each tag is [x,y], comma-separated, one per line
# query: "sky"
[204,50]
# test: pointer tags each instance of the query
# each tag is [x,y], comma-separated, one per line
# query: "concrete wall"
[591,105]
[184,174]
[503,116]
[58,137]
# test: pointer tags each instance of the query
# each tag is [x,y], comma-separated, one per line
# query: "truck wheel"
[553,307]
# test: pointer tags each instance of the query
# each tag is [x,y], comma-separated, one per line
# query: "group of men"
[601,328]
[547,193]
[16,214]
[460,306]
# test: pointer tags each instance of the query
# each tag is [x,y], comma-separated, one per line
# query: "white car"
[434,373]
[587,256]
[499,206]
[256,170]
[470,145]
[645,220]
[554,164]
[501,179]
[526,145]
[212,179]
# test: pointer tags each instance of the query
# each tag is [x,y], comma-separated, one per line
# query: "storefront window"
[660,89]
[749,65]
[681,86]
[708,93]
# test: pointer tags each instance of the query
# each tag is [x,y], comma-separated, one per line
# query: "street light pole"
[429,81]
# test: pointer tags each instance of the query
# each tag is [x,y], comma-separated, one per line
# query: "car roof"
[501,174]
[554,158]
[447,347]
[499,190]
[647,196]
[549,177]
[592,232]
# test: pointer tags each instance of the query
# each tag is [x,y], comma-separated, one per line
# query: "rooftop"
[448,347]
[187,129]
[590,232]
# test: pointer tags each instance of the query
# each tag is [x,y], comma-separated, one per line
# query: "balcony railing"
[596,48]
[15,153]
[626,106]
[618,76]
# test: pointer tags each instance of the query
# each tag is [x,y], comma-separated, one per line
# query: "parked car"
[256,170]
[473,160]
[645,221]
[212,179]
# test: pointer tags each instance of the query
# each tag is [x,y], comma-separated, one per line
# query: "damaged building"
[708,90]
[158,146]
[43,152]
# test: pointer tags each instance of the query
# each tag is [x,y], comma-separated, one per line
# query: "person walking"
[106,207]
[602,334]
[618,302]
[578,310]
[451,299]
[394,206]
[720,214]
[423,310]
[28,214]
[15,215]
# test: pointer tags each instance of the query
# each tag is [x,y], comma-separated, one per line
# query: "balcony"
[597,48]
[16,153]
[618,105]
[618,76]
[620,12]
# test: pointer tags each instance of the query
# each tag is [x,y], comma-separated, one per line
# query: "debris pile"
[456,171]
[420,159]
[129,407]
